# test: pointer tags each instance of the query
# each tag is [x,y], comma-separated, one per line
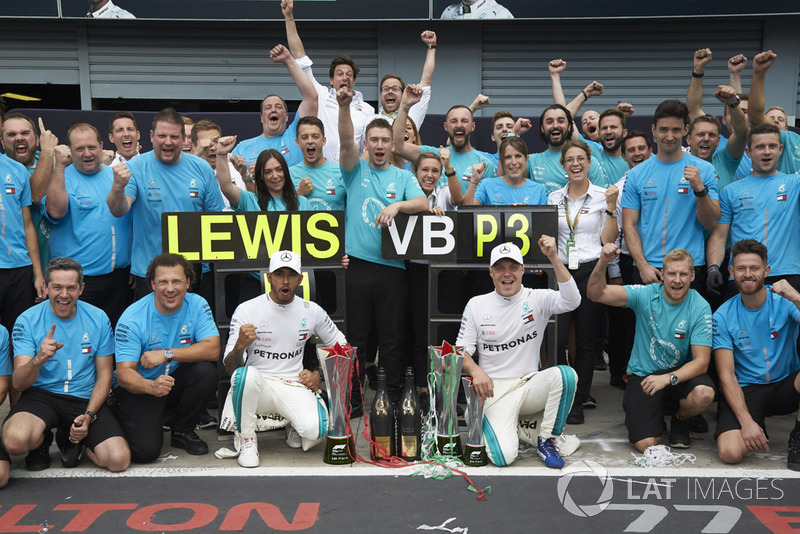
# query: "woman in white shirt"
[586,220]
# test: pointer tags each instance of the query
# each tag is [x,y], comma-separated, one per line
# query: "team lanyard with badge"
[572,248]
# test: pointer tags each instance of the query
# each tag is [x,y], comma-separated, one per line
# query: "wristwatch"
[168,354]
[673,380]
[91,414]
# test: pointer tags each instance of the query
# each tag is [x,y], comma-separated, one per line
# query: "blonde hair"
[679,254]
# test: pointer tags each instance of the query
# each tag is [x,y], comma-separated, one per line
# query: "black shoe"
[575,416]
[679,437]
[39,458]
[189,441]
[698,424]
[206,420]
[590,403]
[372,377]
[793,458]
[617,382]
[166,420]
[71,453]
[600,364]
[356,412]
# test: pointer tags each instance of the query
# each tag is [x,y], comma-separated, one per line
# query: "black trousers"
[376,296]
[16,294]
[109,292]
[621,326]
[140,415]
[590,322]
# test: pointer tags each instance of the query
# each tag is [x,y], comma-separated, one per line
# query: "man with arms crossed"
[671,351]
[755,349]
[505,329]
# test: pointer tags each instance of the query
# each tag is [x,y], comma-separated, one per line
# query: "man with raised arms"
[376,192]
[277,132]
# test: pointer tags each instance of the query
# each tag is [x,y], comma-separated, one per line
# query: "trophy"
[446,362]
[337,365]
[475,453]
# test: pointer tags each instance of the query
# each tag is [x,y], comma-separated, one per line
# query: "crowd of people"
[114,340]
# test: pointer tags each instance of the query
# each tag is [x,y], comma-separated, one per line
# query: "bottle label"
[386,443]
[409,445]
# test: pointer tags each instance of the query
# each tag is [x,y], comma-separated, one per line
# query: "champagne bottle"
[410,420]
[381,421]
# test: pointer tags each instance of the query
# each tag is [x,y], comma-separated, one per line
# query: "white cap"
[285,258]
[506,250]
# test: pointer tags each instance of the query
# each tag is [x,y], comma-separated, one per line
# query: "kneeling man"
[671,348]
[505,328]
[63,365]
[755,349]
[264,356]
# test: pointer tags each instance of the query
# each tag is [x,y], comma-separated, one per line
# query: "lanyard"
[573,226]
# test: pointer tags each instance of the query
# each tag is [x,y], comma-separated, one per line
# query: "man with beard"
[20,264]
[459,125]
[755,339]
[123,132]
[763,206]
[556,127]
[316,178]
[83,227]
[376,192]
[341,74]
[671,351]
[162,180]
[277,132]
[612,132]
[392,87]
[668,200]
[704,137]
[20,139]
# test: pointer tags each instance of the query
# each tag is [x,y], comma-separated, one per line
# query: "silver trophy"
[446,362]
[475,452]
[337,365]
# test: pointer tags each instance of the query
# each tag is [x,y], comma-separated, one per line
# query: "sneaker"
[698,424]
[248,454]
[600,363]
[189,441]
[549,454]
[575,416]
[71,453]
[793,458]
[590,403]
[293,439]
[206,420]
[39,458]
[679,437]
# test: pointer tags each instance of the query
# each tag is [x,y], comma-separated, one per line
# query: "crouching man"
[505,329]
[264,357]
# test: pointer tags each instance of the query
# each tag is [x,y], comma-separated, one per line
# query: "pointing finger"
[51,332]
